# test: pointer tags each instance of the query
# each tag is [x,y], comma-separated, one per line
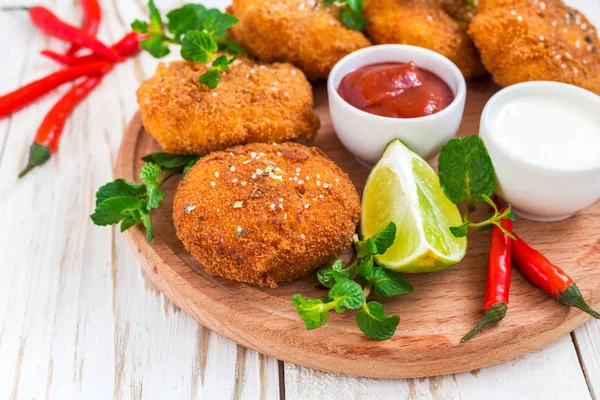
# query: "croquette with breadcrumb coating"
[264,214]
[522,41]
[252,103]
[423,23]
[302,32]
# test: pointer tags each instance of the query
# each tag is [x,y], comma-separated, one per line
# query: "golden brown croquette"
[523,41]
[252,103]
[264,214]
[423,23]
[302,32]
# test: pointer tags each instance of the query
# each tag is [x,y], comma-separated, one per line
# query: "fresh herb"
[201,32]
[467,175]
[472,3]
[347,293]
[351,12]
[131,203]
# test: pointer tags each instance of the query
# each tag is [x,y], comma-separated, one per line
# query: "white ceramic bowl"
[366,135]
[540,192]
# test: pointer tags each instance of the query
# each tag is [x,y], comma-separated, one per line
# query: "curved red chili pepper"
[126,47]
[49,132]
[51,25]
[497,284]
[92,14]
[548,277]
[15,100]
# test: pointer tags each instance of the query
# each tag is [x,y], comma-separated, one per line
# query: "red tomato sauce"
[396,90]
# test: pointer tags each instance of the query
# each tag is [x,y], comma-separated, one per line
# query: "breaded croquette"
[528,40]
[264,214]
[302,32]
[252,103]
[423,23]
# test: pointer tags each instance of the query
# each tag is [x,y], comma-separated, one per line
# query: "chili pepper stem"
[571,296]
[38,155]
[495,314]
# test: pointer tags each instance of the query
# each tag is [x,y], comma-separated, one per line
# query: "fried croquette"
[423,23]
[252,103]
[302,32]
[529,40]
[264,214]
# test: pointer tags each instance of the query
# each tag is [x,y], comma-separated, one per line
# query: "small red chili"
[547,276]
[92,14]
[126,47]
[51,25]
[13,101]
[49,132]
[497,284]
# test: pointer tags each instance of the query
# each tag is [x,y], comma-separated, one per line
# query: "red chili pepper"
[497,284]
[13,101]
[126,47]
[547,276]
[48,134]
[51,25]
[92,14]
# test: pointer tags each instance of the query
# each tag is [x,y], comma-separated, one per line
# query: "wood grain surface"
[80,320]
[443,307]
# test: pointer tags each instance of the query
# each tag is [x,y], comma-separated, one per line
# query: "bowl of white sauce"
[544,141]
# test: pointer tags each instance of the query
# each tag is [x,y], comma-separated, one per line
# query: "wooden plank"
[77,319]
[550,373]
[586,339]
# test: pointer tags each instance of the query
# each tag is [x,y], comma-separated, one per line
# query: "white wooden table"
[78,320]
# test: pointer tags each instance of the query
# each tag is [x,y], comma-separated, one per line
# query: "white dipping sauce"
[550,130]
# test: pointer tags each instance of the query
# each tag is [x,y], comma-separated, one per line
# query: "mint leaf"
[169,161]
[112,211]
[210,78]
[347,294]
[156,46]
[365,247]
[189,166]
[388,283]
[128,223]
[221,63]
[217,24]
[385,238]
[145,217]
[312,311]
[233,47]
[374,323]
[466,171]
[198,46]
[184,19]
[325,277]
[461,230]
[365,267]
[353,19]
[149,175]
[119,188]
[356,5]
[328,2]
[139,26]
[156,24]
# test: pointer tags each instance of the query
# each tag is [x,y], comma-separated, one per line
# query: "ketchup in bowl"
[396,90]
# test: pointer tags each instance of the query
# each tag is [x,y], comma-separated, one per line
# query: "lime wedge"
[404,189]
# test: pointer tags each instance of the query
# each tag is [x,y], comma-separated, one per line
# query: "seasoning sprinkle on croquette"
[532,40]
[253,103]
[265,214]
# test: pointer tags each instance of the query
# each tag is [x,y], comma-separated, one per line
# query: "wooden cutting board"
[443,307]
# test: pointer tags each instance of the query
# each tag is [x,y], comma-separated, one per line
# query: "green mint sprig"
[346,293]
[467,175]
[201,32]
[130,203]
[351,12]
